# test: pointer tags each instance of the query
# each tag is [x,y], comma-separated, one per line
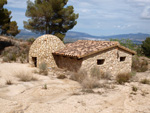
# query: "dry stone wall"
[42,49]
[112,63]
[71,64]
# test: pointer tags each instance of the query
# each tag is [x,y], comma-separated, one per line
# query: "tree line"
[53,17]
[45,17]
[143,49]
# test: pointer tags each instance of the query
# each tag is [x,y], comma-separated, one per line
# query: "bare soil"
[66,96]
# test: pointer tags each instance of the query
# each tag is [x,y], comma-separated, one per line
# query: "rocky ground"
[51,95]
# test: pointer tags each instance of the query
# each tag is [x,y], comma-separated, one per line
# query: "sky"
[99,17]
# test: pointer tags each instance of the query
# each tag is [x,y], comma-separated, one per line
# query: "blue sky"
[100,17]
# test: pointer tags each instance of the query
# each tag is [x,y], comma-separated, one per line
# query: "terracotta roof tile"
[82,48]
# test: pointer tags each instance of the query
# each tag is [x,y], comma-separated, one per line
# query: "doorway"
[34,59]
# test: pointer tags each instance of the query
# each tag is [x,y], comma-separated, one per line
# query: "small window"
[122,59]
[100,61]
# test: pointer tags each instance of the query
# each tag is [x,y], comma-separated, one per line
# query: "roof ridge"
[83,48]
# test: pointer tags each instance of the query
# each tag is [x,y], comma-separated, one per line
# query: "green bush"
[146,47]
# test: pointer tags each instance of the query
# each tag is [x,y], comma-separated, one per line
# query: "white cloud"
[146,13]
[99,17]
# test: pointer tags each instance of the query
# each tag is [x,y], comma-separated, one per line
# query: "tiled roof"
[82,48]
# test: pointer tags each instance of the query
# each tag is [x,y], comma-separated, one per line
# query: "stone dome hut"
[42,48]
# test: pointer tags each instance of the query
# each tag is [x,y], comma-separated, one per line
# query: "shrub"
[31,40]
[95,72]
[90,83]
[134,88]
[61,76]
[5,59]
[25,75]
[139,65]
[12,57]
[145,81]
[123,77]
[43,68]
[16,53]
[99,74]
[79,76]
[135,63]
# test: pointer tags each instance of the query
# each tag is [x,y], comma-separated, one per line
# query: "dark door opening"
[34,59]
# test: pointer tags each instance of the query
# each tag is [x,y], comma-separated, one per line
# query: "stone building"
[42,48]
[108,56]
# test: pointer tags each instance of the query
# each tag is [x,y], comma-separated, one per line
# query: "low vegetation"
[134,88]
[87,82]
[145,81]
[61,76]
[25,76]
[44,86]
[123,77]
[16,53]
[90,83]
[79,76]
[139,65]
[9,82]
[43,68]
[99,74]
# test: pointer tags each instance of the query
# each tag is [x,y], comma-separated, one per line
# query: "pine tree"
[50,17]
[13,29]
[4,18]
[146,47]
[5,21]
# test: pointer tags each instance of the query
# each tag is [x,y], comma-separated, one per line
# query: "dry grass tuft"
[43,69]
[123,77]
[95,72]
[145,81]
[90,83]
[25,76]
[99,74]
[61,76]
[134,88]
[44,86]
[139,65]
[79,76]
[87,83]
[9,82]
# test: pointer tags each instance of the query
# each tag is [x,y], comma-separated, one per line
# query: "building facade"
[108,56]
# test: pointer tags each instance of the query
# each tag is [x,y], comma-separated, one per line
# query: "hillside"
[72,36]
